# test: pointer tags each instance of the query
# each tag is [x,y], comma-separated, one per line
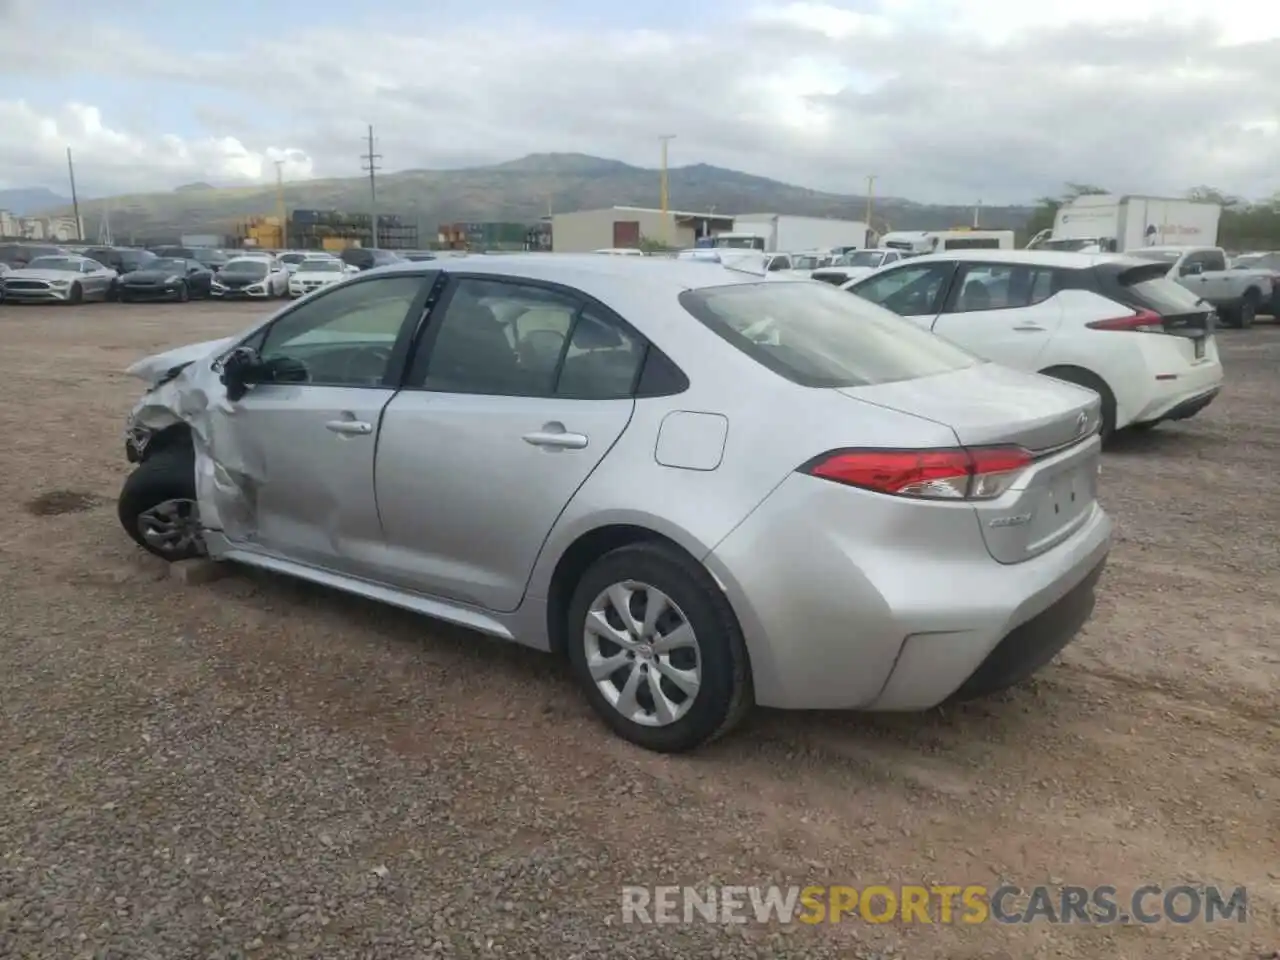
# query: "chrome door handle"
[556,439]
[350,428]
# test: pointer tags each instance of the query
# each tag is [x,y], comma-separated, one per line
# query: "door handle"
[350,428]
[555,437]
[1029,328]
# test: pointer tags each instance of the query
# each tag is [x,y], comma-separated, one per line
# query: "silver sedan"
[706,486]
[58,279]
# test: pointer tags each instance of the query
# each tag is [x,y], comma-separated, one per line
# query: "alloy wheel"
[172,527]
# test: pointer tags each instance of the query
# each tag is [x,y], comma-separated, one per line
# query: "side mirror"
[241,368]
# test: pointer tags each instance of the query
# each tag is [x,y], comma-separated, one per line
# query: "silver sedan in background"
[706,486]
[59,279]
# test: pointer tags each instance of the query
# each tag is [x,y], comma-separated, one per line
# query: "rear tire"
[1083,378]
[1247,312]
[716,654]
[160,494]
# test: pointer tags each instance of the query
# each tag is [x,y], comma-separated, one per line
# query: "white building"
[629,227]
[57,229]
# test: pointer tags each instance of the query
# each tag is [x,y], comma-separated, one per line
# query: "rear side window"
[818,336]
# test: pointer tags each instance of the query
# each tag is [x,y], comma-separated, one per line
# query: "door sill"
[434,607]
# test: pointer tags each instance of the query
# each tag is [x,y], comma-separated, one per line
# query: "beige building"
[585,230]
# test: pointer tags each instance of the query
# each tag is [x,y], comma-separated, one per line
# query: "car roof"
[1044,258]
[591,273]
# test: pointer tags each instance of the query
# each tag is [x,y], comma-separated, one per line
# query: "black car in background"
[416,256]
[120,259]
[364,258]
[166,278]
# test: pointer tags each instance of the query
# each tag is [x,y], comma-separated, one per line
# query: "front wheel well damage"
[575,561]
[176,436]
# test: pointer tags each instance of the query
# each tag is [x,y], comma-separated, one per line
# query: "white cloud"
[943,99]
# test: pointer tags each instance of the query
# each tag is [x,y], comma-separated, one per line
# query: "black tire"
[166,475]
[1144,427]
[724,695]
[184,294]
[113,292]
[1247,312]
[77,294]
[1083,378]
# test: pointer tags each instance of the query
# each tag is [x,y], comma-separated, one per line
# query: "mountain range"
[519,190]
[24,201]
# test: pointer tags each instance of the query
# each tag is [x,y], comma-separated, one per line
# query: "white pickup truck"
[1235,294]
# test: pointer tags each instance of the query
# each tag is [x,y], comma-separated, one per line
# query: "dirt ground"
[254,767]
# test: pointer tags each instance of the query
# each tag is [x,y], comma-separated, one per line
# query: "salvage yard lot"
[260,767]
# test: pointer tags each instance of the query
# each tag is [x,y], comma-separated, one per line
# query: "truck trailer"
[1107,223]
[785,233]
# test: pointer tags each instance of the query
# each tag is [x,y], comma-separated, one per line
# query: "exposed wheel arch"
[1087,378]
[176,435]
[580,555]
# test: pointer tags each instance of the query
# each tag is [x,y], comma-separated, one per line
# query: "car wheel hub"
[172,526]
[642,653]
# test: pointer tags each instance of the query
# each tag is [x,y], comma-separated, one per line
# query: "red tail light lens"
[1144,321]
[977,473]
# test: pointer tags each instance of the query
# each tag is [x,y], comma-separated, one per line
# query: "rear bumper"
[899,613]
[1189,407]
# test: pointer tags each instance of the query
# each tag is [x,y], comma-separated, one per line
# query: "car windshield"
[293,257]
[805,263]
[818,336]
[54,263]
[1166,256]
[320,266]
[1066,246]
[245,268]
[168,264]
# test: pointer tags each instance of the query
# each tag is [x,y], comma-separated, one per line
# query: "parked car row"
[49,274]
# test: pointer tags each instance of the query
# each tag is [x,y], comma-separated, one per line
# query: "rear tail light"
[975,473]
[1144,321]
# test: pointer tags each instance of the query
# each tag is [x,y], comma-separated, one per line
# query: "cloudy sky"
[945,100]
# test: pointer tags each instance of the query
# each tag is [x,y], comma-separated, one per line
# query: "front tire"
[184,293]
[157,506]
[657,649]
[76,295]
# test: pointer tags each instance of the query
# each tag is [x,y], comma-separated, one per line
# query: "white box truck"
[1109,223]
[784,233]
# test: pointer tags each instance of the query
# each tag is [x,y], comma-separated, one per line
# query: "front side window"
[344,337]
[818,336]
[909,291]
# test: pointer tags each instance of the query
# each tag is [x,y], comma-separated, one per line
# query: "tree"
[649,245]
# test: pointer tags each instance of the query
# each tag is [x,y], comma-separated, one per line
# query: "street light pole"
[664,198]
[871,191]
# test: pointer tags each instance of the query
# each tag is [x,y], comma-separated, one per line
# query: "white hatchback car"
[1112,323]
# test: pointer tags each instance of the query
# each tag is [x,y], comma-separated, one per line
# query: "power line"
[371,166]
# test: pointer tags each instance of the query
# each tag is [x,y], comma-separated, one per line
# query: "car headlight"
[59,283]
[173,279]
[219,285]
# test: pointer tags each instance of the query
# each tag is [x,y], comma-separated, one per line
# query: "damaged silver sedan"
[708,486]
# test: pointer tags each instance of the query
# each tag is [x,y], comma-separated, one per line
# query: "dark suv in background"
[364,258]
[120,259]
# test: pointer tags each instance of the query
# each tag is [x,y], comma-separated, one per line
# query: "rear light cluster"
[958,473]
[1144,321]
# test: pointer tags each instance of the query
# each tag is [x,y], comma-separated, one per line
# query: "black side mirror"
[240,368]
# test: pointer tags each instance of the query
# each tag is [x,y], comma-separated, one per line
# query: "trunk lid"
[1056,422]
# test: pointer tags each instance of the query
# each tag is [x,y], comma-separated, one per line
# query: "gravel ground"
[257,768]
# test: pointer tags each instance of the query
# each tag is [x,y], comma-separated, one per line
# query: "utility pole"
[371,165]
[280,212]
[75,200]
[871,192]
[664,198]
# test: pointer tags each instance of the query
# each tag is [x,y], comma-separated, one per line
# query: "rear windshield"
[818,336]
[1151,287]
